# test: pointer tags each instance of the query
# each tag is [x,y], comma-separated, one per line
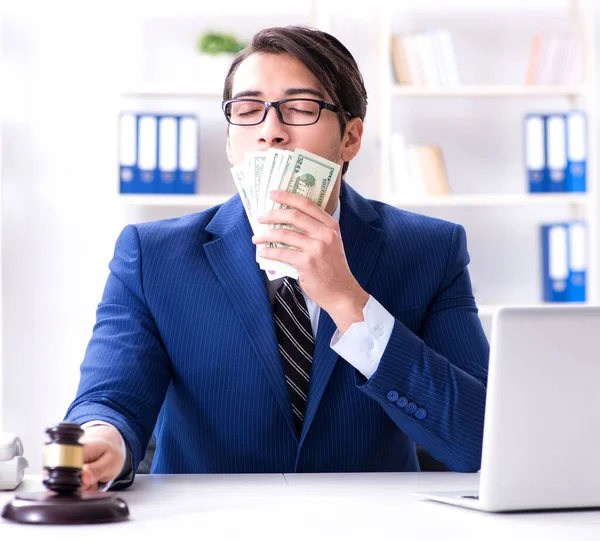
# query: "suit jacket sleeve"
[433,385]
[126,370]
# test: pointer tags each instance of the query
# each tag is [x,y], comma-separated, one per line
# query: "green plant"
[214,43]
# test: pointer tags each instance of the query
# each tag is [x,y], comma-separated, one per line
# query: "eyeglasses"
[293,112]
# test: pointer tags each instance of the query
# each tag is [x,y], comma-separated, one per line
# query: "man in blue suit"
[188,345]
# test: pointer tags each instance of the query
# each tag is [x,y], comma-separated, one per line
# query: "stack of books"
[556,59]
[418,171]
[425,58]
[158,153]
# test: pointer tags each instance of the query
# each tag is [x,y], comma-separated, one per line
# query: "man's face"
[274,77]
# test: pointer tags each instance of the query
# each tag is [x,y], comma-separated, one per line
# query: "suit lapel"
[232,257]
[362,244]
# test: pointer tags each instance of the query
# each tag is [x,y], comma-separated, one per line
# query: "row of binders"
[556,151]
[564,261]
[417,170]
[425,58]
[556,59]
[158,153]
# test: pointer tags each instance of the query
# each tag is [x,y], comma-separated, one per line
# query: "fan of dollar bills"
[300,172]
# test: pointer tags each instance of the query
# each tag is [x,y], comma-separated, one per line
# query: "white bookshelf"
[317,12]
[386,92]
[196,93]
[462,91]
[154,90]
[199,201]
[495,200]
[489,310]
[488,91]
[577,13]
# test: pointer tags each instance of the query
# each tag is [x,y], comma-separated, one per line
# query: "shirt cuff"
[103,487]
[363,344]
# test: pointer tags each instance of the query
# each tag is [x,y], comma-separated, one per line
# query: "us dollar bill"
[270,172]
[275,166]
[244,177]
[309,176]
[300,172]
[255,162]
[239,178]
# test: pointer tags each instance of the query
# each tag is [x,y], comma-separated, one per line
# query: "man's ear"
[352,139]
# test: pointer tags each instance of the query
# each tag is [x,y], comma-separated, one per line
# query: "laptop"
[541,438]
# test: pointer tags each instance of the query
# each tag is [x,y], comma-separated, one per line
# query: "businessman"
[375,349]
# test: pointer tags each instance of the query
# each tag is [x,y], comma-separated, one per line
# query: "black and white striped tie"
[296,343]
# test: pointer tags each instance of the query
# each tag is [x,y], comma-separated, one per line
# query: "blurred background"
[483,114]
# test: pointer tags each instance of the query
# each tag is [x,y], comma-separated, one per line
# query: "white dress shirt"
[362,345]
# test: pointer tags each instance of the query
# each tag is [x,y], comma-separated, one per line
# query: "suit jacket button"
[402,401]
[411,407]
[420,413]
[392,396]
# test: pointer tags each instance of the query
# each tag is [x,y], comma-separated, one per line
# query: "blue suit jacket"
[185,329]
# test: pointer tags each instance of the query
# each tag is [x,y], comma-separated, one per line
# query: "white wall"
[59,214]
[63,67]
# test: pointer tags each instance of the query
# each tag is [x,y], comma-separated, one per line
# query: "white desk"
[307,507]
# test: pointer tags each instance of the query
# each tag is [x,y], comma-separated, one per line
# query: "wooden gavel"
[63,458]
[63,503]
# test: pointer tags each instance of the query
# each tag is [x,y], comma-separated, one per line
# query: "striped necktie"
[296,344]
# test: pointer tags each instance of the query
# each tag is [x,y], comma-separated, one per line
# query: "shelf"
[463,91]
[488,310]
[205,201]
[496,200]
[488,91]
[179,200]
[153,90]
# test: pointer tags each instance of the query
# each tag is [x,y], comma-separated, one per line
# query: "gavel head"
[63,458]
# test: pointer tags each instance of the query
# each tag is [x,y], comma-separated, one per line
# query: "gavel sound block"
[63,503]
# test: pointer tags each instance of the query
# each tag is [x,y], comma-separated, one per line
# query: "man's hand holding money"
[319,256]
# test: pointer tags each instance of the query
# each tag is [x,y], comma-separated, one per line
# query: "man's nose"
[272,129]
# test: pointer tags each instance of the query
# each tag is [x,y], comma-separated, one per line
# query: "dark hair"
[325,56]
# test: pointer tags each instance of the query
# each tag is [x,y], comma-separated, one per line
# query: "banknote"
[300,172]
[273,158]
[255,162]
[239,177]
[270,172]
[310,176]
[275,165]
